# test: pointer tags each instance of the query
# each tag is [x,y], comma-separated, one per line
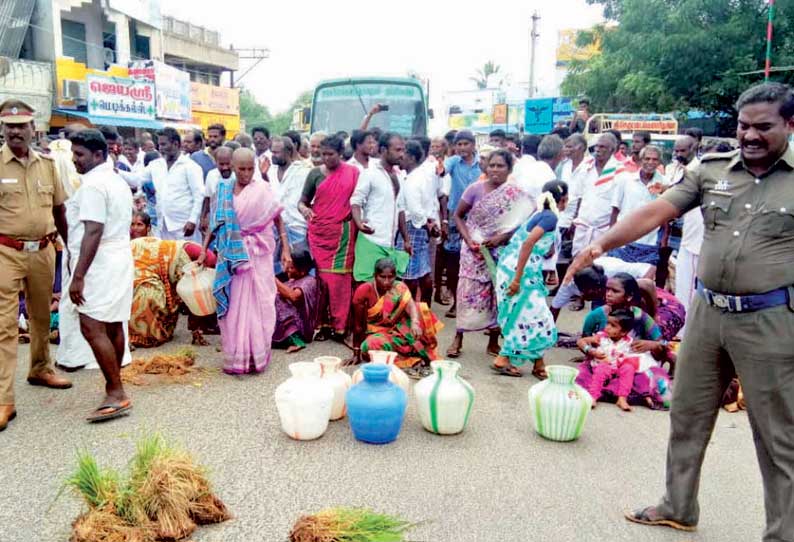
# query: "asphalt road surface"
[497,481]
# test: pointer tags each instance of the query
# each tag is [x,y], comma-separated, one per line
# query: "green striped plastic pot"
[444,399]
[558,406]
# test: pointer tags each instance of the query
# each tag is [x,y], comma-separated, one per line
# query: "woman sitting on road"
[385,317]
[299,304]
[158,268]
[662,306]
[651,382]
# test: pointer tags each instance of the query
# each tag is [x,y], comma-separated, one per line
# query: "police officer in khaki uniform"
[31,210]
[743,316]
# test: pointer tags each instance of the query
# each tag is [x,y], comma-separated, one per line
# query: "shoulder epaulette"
[713,156]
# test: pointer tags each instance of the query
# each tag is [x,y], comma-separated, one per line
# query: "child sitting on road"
[609,351]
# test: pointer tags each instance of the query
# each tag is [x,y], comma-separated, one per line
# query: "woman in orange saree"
[158,268]
[387,318]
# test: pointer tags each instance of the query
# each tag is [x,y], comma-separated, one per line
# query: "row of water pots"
[376,397]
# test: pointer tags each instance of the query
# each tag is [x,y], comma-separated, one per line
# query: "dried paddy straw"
[172,367]
[165,496]
[349,525]
[104,525]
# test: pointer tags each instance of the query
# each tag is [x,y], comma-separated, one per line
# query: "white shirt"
[421,191]
[630,194]
[613,266]
[574,178]
[374,193]
[354,162]
[531,176]
[258,169]
[441,185]
[288,191]
[595,208]
[692,231]
[522,164]
[211,188]
[181,195]
[136,167]
[104,197]
[156,172]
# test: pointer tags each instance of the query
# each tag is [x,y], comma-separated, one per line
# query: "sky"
[440,40]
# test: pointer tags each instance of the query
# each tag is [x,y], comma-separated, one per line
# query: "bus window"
[342,106]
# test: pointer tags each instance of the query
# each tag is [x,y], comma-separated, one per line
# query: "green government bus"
[342,104]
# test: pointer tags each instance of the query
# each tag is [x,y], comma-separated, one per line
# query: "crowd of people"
[353,238]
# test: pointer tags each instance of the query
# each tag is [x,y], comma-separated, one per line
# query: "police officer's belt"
[747,303]
[27,246]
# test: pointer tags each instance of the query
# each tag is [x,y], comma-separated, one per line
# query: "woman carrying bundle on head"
[526,321]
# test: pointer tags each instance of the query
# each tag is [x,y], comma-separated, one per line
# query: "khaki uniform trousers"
[760,345]
[33,271]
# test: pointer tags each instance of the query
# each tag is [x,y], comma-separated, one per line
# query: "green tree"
[482,74]
[256,114]
[252,112]
[665,55]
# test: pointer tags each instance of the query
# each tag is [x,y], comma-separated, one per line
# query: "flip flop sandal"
[507,371]
[415,374]
[115,410]
[454,353]
[540,375]
[644,518]
[451,314]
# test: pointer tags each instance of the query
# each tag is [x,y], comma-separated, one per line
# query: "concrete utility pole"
[256,54]
[533,39]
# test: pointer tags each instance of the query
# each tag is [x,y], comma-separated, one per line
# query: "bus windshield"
[342,106]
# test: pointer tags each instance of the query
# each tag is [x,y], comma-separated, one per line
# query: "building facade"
[117,62]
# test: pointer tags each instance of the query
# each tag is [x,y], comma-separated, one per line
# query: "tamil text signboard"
[211,99]
[120,97]
[653,126]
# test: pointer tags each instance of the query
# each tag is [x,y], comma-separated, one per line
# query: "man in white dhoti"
[685,154]
[101,282]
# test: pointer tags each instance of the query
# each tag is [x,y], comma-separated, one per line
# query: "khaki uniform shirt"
[748,243]
[29,189]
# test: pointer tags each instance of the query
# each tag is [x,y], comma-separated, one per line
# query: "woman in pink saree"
[245,284]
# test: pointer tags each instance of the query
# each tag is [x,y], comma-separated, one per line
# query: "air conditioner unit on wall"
[74,90]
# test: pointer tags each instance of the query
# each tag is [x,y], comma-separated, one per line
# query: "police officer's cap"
[15,112]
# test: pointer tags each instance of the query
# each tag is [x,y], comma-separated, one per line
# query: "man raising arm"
[633,227]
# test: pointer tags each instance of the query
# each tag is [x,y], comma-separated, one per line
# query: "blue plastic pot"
[375,406]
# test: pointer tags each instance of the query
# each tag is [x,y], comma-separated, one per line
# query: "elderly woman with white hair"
[245,283]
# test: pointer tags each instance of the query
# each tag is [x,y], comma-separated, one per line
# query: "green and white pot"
[444,399]
[558,406]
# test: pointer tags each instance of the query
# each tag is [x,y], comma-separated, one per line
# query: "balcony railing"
[191,31]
